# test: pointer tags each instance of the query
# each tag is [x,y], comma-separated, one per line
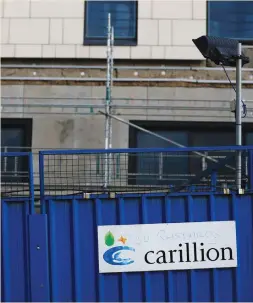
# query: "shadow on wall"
[65,128]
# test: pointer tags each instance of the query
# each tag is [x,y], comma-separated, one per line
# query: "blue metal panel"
[15,237]
[15,154]
[15,200]
[52,250]
[61,244]
[38,252]
[31,183]
[178,281]
[153,212]
[100,277]
[74,251]
[250,169]
[111,282]
[223,278]
[243,214]
[15,269]
[86,247]
[131,283]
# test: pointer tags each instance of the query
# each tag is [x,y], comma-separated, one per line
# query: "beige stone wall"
[54,29]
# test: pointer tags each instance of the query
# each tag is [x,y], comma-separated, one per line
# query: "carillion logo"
[117,255]
[184,253]
[189,252]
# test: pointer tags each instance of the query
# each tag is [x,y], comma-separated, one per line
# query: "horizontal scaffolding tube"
[195,81]
[76,106]
[115,99]
[120,67]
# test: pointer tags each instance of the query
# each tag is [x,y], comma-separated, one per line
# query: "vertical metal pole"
[31,183]
[107,101]
[110,103]
[204,164]
[160,166]
[5,159]
[239,116]
[42,183]
[111,83]
[15,166]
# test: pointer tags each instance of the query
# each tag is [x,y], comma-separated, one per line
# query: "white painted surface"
[175,246]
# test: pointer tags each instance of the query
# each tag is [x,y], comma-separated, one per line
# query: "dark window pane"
[13,139]
[123,18]
[231,19]
[166,168]
[249,139]
[177,169]
[217,138]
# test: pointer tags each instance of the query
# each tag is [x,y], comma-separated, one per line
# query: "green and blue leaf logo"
[116,254]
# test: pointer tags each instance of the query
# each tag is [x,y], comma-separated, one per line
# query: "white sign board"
[173,246]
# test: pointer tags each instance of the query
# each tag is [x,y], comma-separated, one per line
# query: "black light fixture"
[220,50]
[228,52]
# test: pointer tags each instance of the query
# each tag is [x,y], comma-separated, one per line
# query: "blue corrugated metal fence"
[17,204]
[53,256]
[73,248]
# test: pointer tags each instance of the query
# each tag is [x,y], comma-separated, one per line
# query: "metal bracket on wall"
[226,191]
[86,195]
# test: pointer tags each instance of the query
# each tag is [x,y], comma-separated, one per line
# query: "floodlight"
[220,50]
[228,52]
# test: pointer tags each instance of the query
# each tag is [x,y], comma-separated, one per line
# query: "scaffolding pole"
[238,117]
[111,84]
[108,120]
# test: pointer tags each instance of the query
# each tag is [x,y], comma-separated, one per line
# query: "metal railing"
[120,67]
[17,180]
[60,172]
[143,170]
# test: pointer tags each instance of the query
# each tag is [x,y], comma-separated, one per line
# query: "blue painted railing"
[130,170]
[146,150]
[18,185]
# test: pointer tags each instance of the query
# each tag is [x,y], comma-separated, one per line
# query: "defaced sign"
[172,246]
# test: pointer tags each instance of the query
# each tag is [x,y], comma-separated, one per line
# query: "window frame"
[103,41]
[26,126]
[188,127]
[242,41]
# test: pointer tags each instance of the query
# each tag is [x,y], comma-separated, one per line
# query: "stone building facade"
[54,73]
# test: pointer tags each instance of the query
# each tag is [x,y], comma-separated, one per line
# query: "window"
[249,138]
[172,168]
[123,18]
[16,135]
[231,19]
[149,164]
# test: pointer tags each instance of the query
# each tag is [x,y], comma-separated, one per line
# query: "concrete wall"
[67,116]
[54,29]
